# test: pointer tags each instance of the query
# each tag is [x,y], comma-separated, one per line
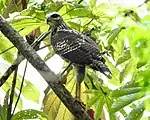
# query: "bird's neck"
[61,26]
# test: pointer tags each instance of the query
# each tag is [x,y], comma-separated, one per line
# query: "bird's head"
[54,19]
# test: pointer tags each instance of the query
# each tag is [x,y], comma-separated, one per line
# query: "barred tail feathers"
[100,66]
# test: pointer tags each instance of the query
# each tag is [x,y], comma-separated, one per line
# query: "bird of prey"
[76,48]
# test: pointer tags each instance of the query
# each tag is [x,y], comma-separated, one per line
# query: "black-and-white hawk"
[76,48]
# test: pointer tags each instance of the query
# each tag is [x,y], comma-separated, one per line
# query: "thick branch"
[27,51]
[20,58]
[6,75]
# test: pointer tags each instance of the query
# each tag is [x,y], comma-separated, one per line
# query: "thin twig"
[7,50]
[14,2]
[80,1]
[11,69]
[66,68]
[145,2]
[20,58]
[23,78]
[14,46]
[68,11]
[9,115]
[89,22]
[44,47]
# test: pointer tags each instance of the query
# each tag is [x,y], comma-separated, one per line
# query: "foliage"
[120,30]
[24,114]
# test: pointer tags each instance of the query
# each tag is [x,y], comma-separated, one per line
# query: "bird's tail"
[100,66]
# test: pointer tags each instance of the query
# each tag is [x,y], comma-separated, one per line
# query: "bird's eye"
[55,16]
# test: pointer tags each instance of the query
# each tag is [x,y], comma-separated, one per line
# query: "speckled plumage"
[74,46]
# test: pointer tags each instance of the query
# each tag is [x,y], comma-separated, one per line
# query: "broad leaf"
[4,108]
[9,56]
[129,68]
[81,12]
[126,56]
[30,92]
[125,91]
[136,113]
[99,108]
[55,108]
[93,3]
[92,101]
[125,100]
[30,114]
[114,33]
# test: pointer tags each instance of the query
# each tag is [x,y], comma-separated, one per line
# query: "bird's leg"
[80,70]
[63,75]
[66,68]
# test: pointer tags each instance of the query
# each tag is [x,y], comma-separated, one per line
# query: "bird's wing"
[66,41]
[79,49]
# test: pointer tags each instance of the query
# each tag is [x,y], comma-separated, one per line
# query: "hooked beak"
[48,20]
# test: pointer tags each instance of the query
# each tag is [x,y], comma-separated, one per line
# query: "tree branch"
[21,86]
[9,115]
[8,72]
[53,81]
[20,58]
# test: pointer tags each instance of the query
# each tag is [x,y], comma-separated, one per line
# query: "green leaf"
[93,3]
[92,101]
[115,72]
[135,17]
[30,114]
[113,34]
[25,24]
[55,6]
[7,85]
[50,54]
[74,25]
[55,109]
[1,112]
[5,106]
[108,101]
[126,56]
[129,68]
[113,69]
[125,91]
[9,56]
[112,116]
[103,10]
[147,102]
[125,100]
[123,112]
[29,29]
[81,12]
[139,43]
[65,9]
[93,91]
[99,108]
[51,105]
[136,113]
[31,92]
[3,4]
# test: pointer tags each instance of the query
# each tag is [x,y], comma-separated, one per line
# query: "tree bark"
[53,81]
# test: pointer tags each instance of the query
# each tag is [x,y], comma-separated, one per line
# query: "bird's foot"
[80,102]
